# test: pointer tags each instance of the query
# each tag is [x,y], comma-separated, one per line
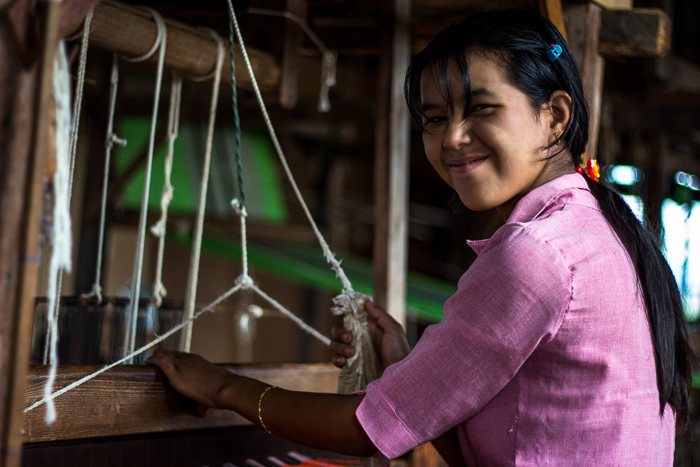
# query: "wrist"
[225,394]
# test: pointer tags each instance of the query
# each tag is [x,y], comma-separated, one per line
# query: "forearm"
[323,421]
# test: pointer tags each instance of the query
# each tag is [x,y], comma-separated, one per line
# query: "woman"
[565,343]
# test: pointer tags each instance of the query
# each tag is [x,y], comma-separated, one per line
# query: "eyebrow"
[482,92]
[475,92]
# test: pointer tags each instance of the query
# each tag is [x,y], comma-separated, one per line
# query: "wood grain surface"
[133,399]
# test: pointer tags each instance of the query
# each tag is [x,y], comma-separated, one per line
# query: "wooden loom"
[135,400]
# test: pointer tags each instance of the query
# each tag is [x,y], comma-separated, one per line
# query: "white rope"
[159,229]
[292,316]
[110,140]
[243,214]
[49,398]
[62,240]
[199,227]
[327,253]
[329,61]
[130,335]
[77,105]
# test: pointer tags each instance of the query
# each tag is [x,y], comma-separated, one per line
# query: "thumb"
[383,319]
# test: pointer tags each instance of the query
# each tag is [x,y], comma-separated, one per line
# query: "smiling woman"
[548,354]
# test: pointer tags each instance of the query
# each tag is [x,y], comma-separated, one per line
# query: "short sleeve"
[508,304]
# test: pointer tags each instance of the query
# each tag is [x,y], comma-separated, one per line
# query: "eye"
[433,120]
[479,107]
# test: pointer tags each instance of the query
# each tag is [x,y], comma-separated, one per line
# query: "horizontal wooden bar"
[135,399]
[642,32]
[131,31]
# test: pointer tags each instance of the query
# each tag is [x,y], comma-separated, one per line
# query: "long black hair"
[519,41]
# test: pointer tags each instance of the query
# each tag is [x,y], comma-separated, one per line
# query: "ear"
[559,111]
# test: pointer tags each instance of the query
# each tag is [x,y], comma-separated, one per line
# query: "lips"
[466,164]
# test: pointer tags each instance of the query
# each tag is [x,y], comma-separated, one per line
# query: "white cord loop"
[130,335]
[199,226]
[161,34]
[214,71]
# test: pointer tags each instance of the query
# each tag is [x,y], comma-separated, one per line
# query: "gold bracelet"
[260,407]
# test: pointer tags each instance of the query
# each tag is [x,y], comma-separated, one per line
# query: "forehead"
[486,76]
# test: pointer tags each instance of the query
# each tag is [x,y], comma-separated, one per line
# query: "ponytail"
[672,351]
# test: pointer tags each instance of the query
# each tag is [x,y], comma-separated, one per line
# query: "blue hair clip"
[554,52]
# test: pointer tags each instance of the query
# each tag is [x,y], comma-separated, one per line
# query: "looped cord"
[130,335]
[161,34]
[159,228]
[199,226]
[109,143]
[214,71]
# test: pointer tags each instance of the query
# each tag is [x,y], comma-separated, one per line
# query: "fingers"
[341,345]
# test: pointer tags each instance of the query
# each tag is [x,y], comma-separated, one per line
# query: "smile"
[466,164]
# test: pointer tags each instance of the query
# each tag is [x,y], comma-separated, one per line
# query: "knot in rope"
[159,291]
[113,139]
[240,210]
[245,281]
[95,292]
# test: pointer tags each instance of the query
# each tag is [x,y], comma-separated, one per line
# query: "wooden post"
[583,22]
[24,148]
[399,156]
[551,9]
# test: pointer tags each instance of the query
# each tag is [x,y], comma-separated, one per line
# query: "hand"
[388,339]
[193,377]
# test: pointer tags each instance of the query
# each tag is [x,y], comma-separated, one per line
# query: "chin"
[476,205]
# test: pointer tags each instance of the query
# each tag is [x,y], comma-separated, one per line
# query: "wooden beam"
[25,149]
[399,157]
[615,4]
[642,32]
[293,35]
[583,22]
[133,399]
[131,31]
[551,9]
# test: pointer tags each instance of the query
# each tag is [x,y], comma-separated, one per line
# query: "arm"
[323,421]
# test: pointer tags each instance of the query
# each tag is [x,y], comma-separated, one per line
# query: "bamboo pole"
[130,31]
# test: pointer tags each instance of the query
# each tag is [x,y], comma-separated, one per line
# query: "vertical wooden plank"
[20,254]
[398,166]
[551,9]
[583,22]
[655,179]
[381,155]
[293,34]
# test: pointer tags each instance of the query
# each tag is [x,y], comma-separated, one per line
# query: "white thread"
[62,239]
[327,253]
[130,335]
[243,214]
[214,71]
[160,227]
[111,138]
[291,316]
[329,60]
[77,105]
[156,341]
[199,227]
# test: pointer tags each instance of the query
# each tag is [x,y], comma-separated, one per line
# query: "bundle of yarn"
[360,369]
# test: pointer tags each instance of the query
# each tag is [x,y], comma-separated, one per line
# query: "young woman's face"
[494,156]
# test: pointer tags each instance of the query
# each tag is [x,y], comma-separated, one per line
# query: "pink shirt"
[544,355]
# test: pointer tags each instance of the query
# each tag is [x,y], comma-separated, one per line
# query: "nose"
[456,135]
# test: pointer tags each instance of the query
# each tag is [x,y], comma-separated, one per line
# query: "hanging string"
[159,229]
[327,253]
[236,118]
[110,140]
[73,145]
[192,280]
[160,44]
[62,240]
